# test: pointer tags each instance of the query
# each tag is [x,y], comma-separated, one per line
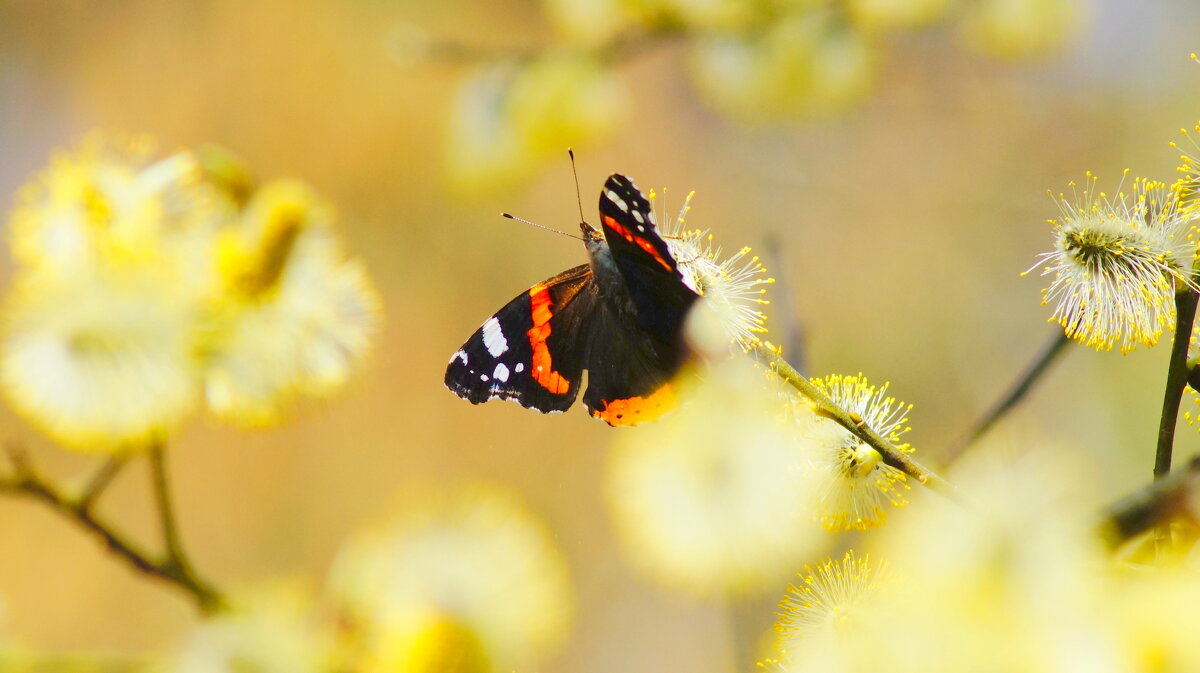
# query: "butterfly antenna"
[578,198]
[540,226]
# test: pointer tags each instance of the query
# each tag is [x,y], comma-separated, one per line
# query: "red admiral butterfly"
[620,317]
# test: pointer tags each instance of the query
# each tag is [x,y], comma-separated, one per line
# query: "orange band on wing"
[634,410]
[638,241]
[543,366]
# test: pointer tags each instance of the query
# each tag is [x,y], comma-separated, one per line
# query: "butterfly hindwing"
[532,350]
[651,273]
[629,372]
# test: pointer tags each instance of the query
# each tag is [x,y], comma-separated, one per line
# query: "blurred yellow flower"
[139,282]
[508,118]
[101,361]
[1017,562]
[1154,620]
[1117,263]
[274,629]
[807,64]
[1010,579]
[292,315]
[702,15]
[852,484]
[712,500]
[107,205]
[590,22]
[886,14]
[1019,28]
[469,584]
[731,289]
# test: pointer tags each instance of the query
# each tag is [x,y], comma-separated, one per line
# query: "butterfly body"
[620,317]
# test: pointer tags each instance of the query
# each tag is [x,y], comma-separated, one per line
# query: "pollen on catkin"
[824,599]
[731,288]
[852,484]
[1117,263]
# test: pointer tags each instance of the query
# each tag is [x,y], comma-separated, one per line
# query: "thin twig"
[619,49]
[100,480]
[166,510]
[26,481]
[1020,388]
[1177,378]
[892,455]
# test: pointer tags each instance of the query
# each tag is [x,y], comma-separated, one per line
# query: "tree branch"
[1177,378]
[891,454]
[26,481]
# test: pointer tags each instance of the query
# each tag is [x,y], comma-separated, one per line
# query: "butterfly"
[620,317]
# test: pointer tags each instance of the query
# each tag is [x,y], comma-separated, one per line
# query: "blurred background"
[895,205]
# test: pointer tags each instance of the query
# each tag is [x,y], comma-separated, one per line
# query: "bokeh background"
[896,228]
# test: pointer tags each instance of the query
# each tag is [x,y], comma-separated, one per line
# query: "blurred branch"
[620,49]
[1177,380]
[1156,503]
[1020,388]
[166,510]
[792,330]
[100,480]
[824,406]
[25,480]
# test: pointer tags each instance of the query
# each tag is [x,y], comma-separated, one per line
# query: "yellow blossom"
[731,287]
[1117,263]
[508,118]
[100,361]
[852,484]
[292,315]
[464,584]
[807,64]
[712,500]
[272,629]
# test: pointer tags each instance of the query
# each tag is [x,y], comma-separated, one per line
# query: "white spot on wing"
[483,377]
[618,201]
[493,337]
[519,368]
[459,355]
[638,216]
[501,372]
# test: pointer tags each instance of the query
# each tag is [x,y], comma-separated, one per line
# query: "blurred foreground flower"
[469,585]
[138,281]
[102,361]
[294,316]
[852,484]
[712,500]
[1013,578]
[1117,264]
[274,630]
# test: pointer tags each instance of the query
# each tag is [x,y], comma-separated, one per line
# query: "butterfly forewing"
[651,273]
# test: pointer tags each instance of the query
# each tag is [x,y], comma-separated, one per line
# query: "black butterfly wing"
[651,273]
[532,351]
